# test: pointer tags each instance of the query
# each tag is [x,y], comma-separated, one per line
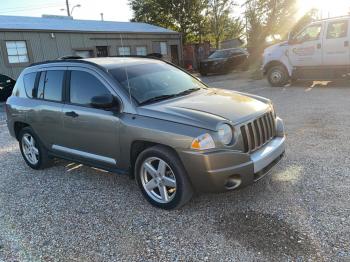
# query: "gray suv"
[146,118]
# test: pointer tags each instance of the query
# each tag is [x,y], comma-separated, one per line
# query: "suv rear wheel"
[162,178]
[33,152]
[277,76]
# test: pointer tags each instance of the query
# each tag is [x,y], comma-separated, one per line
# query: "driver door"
[305,49]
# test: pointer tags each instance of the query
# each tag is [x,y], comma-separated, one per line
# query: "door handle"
[72,114]
[319,46]
[346,43]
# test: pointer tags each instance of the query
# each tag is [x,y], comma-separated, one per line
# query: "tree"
[309,17]
[184,16]
[268,18]
[222,25]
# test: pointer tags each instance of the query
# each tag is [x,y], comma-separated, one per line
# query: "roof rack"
[79,59]
[69,57]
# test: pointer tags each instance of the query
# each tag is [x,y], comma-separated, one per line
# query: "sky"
[119,10]
[113,10]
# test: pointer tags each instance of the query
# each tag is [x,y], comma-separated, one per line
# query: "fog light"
[233,182]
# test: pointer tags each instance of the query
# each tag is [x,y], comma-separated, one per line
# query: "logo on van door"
[304,51]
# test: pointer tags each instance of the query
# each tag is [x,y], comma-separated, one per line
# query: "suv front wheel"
[33,152]
[162,178]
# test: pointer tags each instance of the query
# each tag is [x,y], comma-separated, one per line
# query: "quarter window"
[50,85]
[29,84]
[84,86]
[337,29]
[17,52]
[141,50]
[125,51]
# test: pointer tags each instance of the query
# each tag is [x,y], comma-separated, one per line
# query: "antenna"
[125,68]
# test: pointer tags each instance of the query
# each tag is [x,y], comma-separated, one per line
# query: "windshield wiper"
[188,91]
[156,99]
[164,97]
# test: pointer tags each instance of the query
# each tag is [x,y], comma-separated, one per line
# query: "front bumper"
[224,170]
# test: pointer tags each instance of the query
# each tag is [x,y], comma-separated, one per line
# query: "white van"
[321,51]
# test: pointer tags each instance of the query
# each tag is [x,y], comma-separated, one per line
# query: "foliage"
[309,17]
[222,26]
[197,20]
[268,18]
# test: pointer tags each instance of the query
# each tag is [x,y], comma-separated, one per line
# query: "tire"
[278,76]
[40,152]
[174,173]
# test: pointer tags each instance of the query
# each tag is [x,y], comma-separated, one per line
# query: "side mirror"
[106,101]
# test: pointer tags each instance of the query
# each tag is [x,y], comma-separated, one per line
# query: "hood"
[207,108]
[272,48]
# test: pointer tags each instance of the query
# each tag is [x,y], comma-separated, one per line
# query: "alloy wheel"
[30,150]
[158,180]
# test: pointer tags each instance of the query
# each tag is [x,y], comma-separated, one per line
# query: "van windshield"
[151,82]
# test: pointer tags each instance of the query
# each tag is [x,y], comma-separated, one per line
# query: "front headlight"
[225,134]
[272,109]
[203,142]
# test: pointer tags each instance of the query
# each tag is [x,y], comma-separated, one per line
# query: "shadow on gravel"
[269,235]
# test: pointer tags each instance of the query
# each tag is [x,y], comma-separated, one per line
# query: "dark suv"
[146,118]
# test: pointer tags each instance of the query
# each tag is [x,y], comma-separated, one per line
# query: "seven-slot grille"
[258,132]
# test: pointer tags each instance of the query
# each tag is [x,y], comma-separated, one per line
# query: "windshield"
[220,54]
[149,81]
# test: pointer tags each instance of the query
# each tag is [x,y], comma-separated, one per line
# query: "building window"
[141,50]
[163,48]
[125,51]
[101,51]
[17,52]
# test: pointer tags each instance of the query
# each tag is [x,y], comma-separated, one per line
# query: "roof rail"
[70,57]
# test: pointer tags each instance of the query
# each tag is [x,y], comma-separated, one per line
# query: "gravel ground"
[298,213]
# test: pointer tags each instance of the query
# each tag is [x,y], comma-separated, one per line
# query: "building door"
[102,51]
[174,54]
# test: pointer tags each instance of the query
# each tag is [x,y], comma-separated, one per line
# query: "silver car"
[148,119]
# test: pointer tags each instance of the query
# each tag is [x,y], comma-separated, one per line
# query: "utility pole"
[67,7]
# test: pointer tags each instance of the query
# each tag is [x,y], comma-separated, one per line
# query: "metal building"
[25,40]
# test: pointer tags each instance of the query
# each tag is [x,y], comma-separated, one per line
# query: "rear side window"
[84,86]
[29,84]
[337,29]
[51,85]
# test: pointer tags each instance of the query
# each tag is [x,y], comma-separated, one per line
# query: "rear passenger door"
[89,133]
[46,115]
[336,47]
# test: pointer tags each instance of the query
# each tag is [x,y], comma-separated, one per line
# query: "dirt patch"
[269,235]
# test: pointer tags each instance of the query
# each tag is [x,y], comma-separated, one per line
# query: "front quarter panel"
[140,128]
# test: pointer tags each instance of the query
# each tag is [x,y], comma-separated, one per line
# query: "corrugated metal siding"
[42,46]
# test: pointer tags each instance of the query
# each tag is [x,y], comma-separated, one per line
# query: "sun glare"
[327,8]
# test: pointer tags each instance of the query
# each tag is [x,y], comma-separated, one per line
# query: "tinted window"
[84,86]
[29,83]
[150,80]
[337,29]
[50,85]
